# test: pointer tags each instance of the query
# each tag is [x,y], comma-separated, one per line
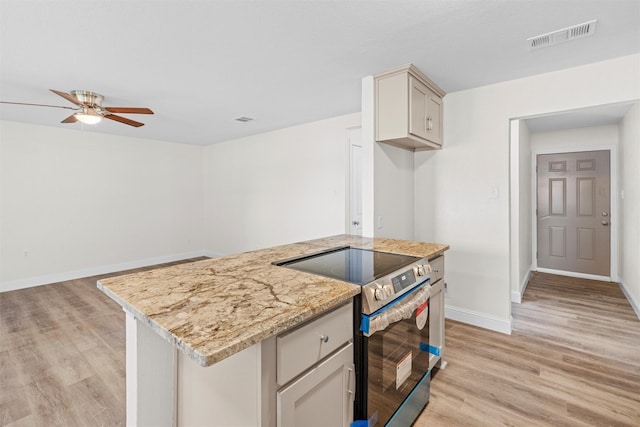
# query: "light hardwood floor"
[62,356]
[572,360]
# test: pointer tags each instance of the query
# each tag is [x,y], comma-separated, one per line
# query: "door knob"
[605,223]
[356,223]
[605,213]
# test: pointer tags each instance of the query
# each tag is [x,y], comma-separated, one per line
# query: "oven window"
[397,360]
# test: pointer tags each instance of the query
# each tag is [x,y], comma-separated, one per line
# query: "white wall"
[84,203]
[277,187]
[476,157]
[394,193]
[629,267]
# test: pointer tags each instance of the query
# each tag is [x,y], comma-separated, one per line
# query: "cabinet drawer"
[304,346]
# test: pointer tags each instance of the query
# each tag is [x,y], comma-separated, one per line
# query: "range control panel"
[385,289]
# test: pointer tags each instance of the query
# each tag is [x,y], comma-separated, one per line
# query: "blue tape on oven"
[364,324]
[429,349]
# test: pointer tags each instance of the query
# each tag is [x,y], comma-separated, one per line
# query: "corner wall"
[277,187]
[76,204]
[394,194]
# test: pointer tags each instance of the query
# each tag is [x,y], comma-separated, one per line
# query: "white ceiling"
[200,64]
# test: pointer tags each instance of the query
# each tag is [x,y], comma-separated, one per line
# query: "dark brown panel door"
[574,217]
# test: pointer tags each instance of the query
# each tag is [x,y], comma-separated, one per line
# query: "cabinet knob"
[324,338]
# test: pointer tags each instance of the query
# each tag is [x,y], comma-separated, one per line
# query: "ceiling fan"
[89,109]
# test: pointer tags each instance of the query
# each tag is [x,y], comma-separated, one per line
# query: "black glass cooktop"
[358,266]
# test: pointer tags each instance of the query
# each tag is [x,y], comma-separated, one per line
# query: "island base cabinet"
[165,387]
[150,376]
[321,397]
[223,394]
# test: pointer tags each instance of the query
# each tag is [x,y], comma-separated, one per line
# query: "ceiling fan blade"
[36,105]
[67,96]
[130,110]
[123,120]
[70,119]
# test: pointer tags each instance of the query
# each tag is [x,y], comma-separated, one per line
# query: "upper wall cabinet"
[408,109]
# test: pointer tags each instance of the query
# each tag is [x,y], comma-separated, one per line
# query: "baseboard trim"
[516,296]
[31,282]
[572,274]
[481,320]
[211,254]
[635,304]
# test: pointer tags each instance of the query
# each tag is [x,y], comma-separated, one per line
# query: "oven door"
[397,352]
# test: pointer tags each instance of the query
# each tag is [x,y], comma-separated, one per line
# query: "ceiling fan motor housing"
[88,98]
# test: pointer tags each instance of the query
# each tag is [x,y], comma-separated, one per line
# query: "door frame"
[349,175]
[613,200]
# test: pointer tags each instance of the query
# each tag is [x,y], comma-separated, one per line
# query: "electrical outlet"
[493,192]
[25,252]
[380,222]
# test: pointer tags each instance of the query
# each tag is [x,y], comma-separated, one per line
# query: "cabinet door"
[434,118]
[321,397]
[418,108]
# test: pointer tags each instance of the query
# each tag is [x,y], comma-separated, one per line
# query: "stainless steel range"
[393,352]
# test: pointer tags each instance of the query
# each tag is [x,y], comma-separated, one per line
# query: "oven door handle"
[404,309]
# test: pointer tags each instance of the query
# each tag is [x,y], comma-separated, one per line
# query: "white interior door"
[574,212]
[355,182]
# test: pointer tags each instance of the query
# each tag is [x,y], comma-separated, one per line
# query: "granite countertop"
[214,308]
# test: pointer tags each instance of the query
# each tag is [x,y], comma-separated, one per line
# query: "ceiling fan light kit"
[90,110]
[88,117]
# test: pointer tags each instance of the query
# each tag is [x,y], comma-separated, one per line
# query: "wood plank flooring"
[572,360]
[62,356]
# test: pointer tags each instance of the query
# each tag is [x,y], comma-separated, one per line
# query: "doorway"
[590,129]
[573,212]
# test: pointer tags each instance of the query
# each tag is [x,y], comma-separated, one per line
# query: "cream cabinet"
[323,396]
[302,377]
[314,365]
[408,109]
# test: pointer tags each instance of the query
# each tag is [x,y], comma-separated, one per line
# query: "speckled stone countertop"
[214,308]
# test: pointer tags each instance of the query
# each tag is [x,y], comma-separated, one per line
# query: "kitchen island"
[224,314]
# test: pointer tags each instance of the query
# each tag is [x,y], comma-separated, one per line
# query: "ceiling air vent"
[243,119]
[560,36]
